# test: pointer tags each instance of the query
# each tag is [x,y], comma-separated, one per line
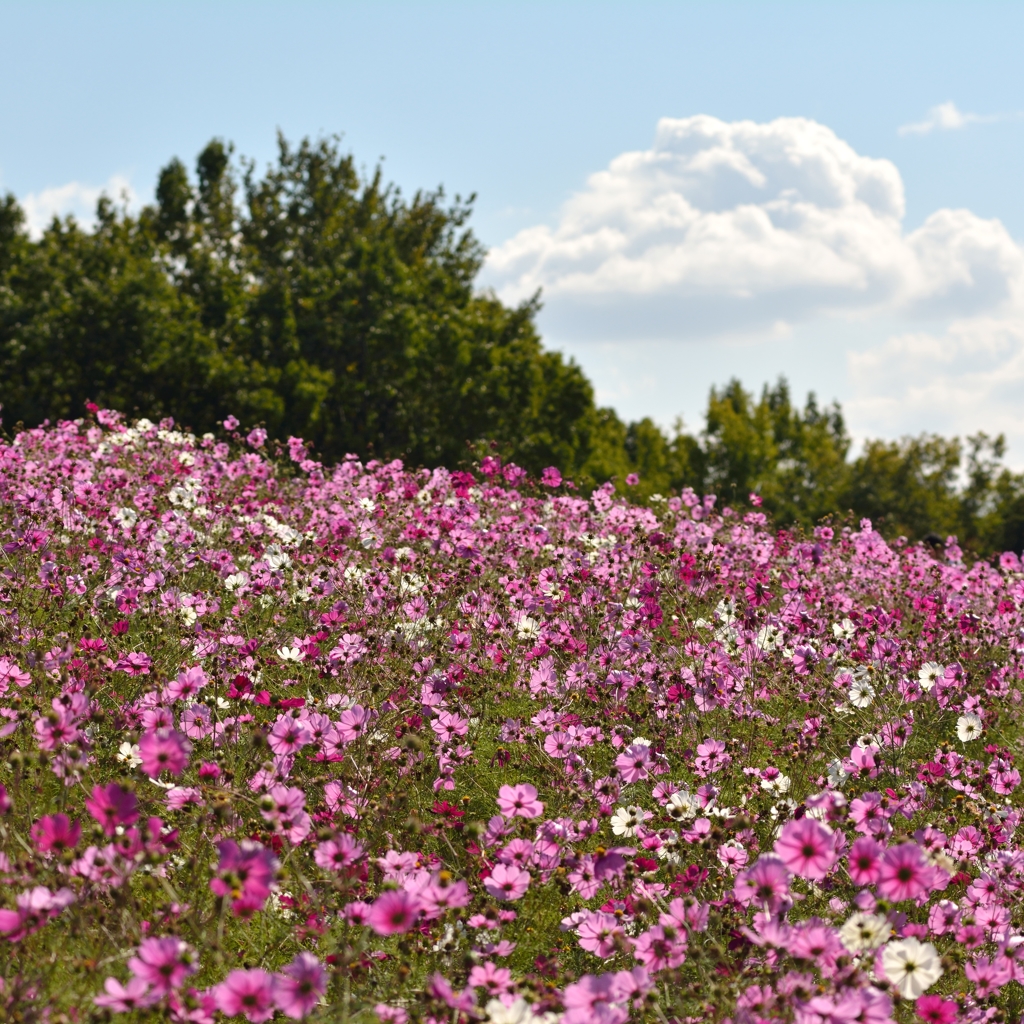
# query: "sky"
[828,192]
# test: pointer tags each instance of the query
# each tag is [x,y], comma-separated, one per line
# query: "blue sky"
[912,317]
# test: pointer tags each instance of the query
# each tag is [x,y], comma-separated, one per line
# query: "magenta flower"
[393,911]
[807,848]
[164,750]
[163,964]
[245,873]
[111,806]
[55,833]
[300,986]
[660,949]
[507,882]
[519,801]
[601,934]
[903,873]
[250,993]
[865,861]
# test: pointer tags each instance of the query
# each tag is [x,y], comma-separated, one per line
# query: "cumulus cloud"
[73,198]
[741,230]
[732,227]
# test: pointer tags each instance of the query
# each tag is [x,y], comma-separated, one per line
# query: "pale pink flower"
[519,801]
[507,882]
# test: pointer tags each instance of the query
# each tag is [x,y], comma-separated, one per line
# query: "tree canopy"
[323,303]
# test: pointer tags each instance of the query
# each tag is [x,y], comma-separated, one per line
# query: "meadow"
[281,740]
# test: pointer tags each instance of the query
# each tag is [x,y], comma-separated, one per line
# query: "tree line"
[322,302]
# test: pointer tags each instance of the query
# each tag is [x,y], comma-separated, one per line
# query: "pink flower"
[902,873]
[336,854]
[550,477]
[55,833]
[164,750]
[807,848]
[288,736]
[393,911]
[601,934]
[660,948]
[111,806]
[766,884]
[507,882]
[247,992]
[634,763]
[300,986]
[122,998]
[865,861]
[496,980]
[163,964]
[36,906]
[519,801]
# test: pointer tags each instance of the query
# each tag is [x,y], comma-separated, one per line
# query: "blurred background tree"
[324,304]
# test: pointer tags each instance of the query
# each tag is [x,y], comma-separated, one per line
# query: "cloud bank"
[73,198]
[723,230]
[946,117]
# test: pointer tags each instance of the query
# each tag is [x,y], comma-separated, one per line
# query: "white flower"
[626,820]
[681,805]
[236,580]
[844,630]
[770,636]
[367,505]
[929,673]
[128,753]
[289,653]
[520,1012]
[862,693]
[779,784]
[125,517]
[276,558]
[968,727]
[837,774]
[911,966]
[527,628]
[864,931]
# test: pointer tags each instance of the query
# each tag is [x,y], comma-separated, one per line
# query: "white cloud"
[725,230]
[74,198]
[946,117]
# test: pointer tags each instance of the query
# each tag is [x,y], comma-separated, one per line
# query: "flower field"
[355,743]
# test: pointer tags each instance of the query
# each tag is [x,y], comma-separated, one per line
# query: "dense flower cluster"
[359,743]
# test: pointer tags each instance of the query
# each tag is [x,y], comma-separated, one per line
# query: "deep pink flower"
[865,861]
[164,750]
[519,801]
[807,848]
[393,911]
[55,832]
[936,1010]
[300,986]
[507,882]
[903,873]
[250,993]
[163,964]
[111,806]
